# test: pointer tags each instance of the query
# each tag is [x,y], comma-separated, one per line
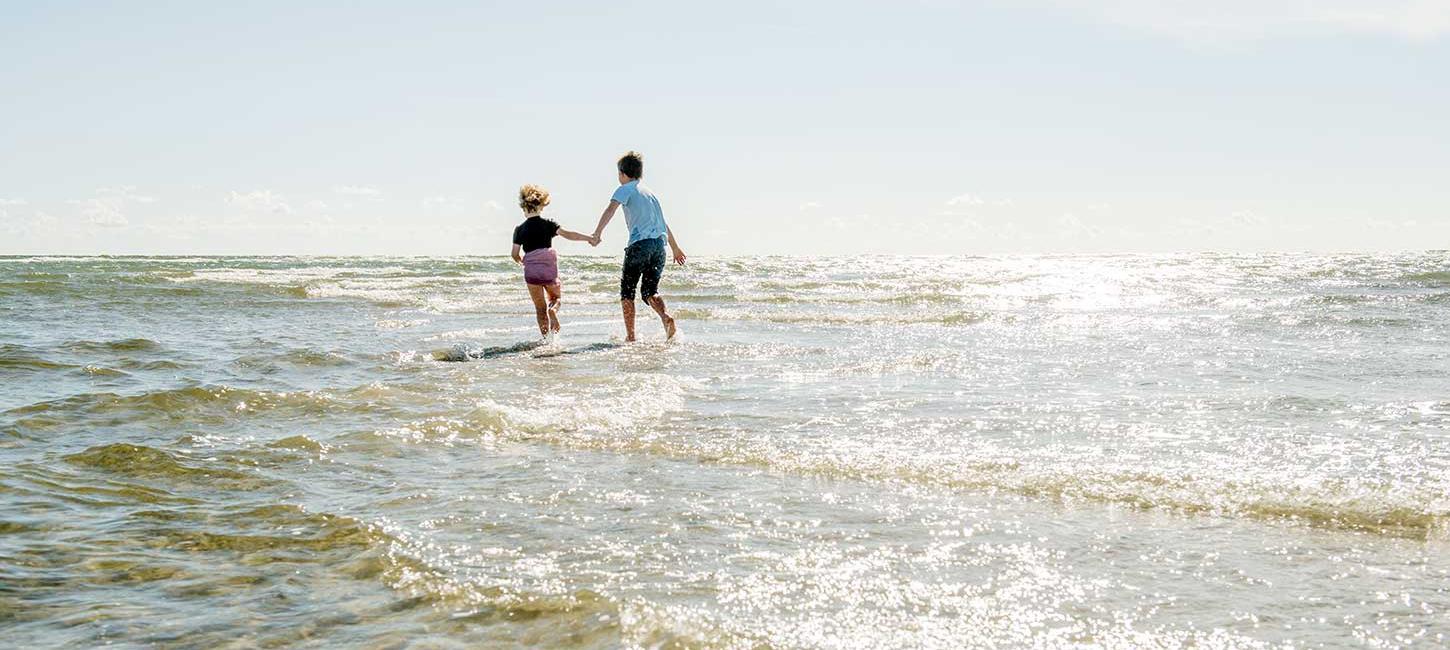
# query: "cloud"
[124,193]
[6,203]
[440,203]
[39,223]
[492,206]
[968,204]
[358,191]
[810,205]
[44,222]
[110,221]
[1071,226]
[1247,218]
[102,211]
[105,212]
[108,208]
[1250,20]
[259,201]
[964,200]
[316,205]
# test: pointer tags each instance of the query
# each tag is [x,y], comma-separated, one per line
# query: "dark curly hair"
[631,164]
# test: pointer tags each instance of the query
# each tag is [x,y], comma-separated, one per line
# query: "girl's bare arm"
[574,236]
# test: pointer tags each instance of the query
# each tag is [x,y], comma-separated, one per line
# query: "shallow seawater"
[871,452]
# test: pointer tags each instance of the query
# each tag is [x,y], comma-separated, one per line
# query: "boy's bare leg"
[541,309]
[627,306]
[556,298]
[665,318]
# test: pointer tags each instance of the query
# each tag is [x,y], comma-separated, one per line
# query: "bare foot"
[669,322]
[554,325]
[629,339]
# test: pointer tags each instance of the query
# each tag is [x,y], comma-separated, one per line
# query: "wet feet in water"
[669,322]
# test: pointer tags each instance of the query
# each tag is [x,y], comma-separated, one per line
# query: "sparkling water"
[863,452]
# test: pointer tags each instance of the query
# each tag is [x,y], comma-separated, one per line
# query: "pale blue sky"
[810,127]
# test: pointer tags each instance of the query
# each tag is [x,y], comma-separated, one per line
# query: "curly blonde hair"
[533,198]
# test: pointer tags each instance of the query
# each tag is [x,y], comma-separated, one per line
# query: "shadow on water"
[472,352]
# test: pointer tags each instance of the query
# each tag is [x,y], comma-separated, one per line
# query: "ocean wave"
[23,358]
[118,345]
[195,405]
[304,358]
[148,462]
[35,287]
[1394,510]
[102,371]
[827,318]
[851,299]
[1433,278]
[551,612]
[156,364]
[400,323]
[298,443]
[52,482]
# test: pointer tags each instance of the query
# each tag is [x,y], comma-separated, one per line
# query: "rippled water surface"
[1197,450]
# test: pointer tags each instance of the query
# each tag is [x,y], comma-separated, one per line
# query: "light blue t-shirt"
[642,211]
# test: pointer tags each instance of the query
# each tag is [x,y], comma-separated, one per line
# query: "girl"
[541,266]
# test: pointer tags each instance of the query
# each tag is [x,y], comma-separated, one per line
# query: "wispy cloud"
[9,203]
[1247,218]
[259,201]
[105,212]
[1248,20]
[39,224]
[358,191]
[1071,226]
[492,206]
[964,201]
[108,207]
[124,193]
[440,203]
[810,205]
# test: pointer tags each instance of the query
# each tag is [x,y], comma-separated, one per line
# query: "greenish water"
[1194,450]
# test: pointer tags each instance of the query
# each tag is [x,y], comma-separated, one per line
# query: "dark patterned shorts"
[644,261]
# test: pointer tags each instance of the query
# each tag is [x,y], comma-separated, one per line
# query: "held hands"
[593,239]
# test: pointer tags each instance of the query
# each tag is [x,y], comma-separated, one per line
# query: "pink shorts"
[541,266]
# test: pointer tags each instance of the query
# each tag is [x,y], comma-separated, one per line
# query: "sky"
[811,127]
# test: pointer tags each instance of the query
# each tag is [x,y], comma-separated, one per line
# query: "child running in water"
[644,258]
[533,247]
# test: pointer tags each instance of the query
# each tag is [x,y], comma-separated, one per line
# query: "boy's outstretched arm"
[516,253]
[604,219]
[678,254]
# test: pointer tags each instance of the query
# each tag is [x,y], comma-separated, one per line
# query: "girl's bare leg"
[541,309]
[556,299]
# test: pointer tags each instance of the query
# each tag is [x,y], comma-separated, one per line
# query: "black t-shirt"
[535,232]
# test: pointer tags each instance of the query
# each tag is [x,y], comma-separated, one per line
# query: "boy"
[644,258]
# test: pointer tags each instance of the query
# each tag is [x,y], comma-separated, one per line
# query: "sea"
[1135,451]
